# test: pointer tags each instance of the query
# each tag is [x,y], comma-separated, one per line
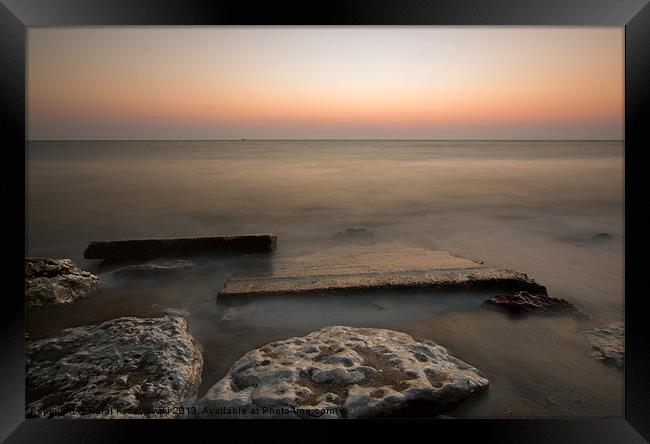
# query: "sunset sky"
[332,83]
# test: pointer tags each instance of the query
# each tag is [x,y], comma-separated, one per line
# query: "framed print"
[411,213]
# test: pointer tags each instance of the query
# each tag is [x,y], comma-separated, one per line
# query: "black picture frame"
[16,15]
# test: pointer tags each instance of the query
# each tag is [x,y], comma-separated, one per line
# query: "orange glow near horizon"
[318,82]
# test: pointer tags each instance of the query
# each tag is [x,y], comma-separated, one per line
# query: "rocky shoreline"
[132,367]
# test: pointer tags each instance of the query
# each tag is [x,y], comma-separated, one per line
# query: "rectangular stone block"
[186,246]
[354,270]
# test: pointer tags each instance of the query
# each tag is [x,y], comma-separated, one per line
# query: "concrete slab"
[180,246]
[347,270]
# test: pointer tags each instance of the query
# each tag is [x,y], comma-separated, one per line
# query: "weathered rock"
[601,237]
[588,239]
[156,268]
[356,235]
[524,302]
[56,281]
[180,246]
[125,367]
[347,270]
[341,372]
[608,343]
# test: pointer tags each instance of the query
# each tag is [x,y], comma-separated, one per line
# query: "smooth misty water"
[529,206]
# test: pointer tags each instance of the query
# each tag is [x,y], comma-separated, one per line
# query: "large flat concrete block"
[349,270]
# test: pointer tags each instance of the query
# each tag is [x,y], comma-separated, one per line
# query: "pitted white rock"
[342,372]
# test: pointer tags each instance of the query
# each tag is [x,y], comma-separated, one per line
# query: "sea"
[551,209]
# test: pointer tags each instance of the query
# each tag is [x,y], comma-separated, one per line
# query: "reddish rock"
[524,302]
